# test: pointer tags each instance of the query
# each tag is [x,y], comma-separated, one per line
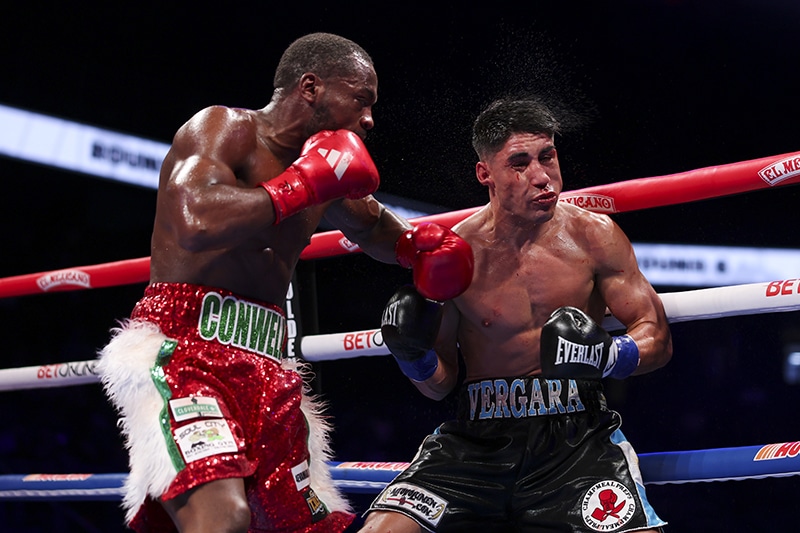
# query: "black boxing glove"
[574,346]
[409,325]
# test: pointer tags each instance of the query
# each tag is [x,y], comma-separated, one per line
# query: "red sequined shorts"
[230,409]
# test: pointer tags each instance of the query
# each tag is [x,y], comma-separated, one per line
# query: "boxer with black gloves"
[533,445]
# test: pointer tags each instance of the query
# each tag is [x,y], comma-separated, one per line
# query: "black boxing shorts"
[525,454]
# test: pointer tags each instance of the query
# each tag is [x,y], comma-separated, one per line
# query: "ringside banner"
[79,147]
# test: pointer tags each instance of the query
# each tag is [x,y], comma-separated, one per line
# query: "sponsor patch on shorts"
[205,438]
[194,407]
[301,475]
[315,505]
[608,506]
[419,502]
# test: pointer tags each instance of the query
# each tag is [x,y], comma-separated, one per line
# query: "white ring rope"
[734,300]
[752,298]
[46,376]
[749,299]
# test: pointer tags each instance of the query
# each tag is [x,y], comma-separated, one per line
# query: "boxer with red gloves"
[575,346]
[216,236]
[332,164]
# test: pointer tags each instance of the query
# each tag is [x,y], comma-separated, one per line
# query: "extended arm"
[442,262]
[369,224]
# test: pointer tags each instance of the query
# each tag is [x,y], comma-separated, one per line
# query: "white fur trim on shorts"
[124,368]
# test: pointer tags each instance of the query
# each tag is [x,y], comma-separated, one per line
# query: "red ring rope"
[76,278]
[630,195]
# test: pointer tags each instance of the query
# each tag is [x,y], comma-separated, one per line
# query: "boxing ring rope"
[702,304]
[630,195]
[752,298]
[720,464]
[717,464]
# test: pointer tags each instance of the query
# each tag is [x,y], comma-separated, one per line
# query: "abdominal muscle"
[518,356]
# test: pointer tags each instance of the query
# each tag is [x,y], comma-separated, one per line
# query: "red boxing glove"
[442,261]
[332,164]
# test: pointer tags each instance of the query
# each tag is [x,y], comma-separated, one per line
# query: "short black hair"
[503,118]
[324,54]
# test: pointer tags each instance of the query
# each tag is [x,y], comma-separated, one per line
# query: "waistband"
[528,397]
[216,315]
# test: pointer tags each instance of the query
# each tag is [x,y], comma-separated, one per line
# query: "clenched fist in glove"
[574,346]
[332,164]
[442,261]
[409,326]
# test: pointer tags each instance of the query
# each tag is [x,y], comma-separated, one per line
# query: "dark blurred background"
[645,88]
